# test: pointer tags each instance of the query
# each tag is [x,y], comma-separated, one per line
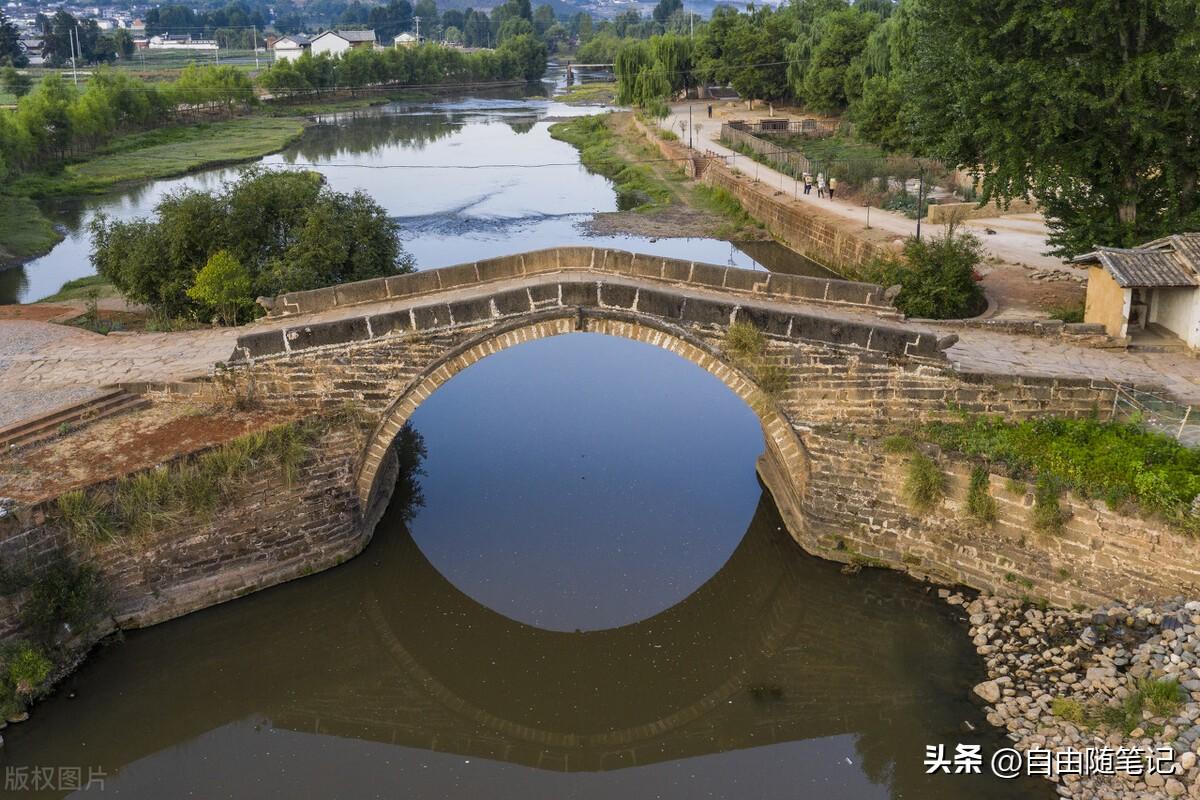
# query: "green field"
[165,152]
[24,232]
[833,148]
[82,289]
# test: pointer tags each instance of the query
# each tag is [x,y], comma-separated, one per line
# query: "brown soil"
[36,312]
[126,443]
[1015,294]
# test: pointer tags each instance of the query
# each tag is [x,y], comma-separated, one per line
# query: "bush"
[1048,516]
[980,503]
[924,484]
[66,600]
[937,277]
[223,286]
[24,669]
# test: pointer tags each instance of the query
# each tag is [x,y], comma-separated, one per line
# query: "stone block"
[391,322]
[617,261]
[576,257]
[320,334]
[467,311]
[743,280]
[257,345]
[616,295]
[432,316]
[707,312]
[348,294]
[676,269]
[515,301]
[580,293]
[708,275]
[412,283]
[494,269]
[306,302]
[667,305]
[461,275]
[771,322]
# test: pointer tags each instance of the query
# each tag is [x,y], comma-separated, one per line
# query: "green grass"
[24,231]
[158,499]
[164,152]
[1163,697]
[589,93]
[1114,461]
[924,484]
[980,503]
[637,186]
[1067,314]
[833,148]
[747,347]
[82,289]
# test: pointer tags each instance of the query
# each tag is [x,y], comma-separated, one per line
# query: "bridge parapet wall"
[773,285]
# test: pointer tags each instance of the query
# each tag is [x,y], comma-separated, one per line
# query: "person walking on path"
[820,184]
[832,187]
[807,183]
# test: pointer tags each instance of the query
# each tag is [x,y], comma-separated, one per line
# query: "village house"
[337,42]
[291,47]
[405,39]
[1150,293]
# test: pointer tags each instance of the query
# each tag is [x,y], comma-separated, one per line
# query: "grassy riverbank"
[654,195]
[165,152]
[24,231]
[586,94]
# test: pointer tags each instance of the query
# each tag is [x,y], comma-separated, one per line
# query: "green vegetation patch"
[636,185]
[1117,462]
[1162,697]
[148,502]
[90,287]
[980,503]
[24,231]
[170,151]
[747,347]
[589,93]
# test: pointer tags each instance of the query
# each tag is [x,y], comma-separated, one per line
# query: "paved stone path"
[43,365]
[1019,238]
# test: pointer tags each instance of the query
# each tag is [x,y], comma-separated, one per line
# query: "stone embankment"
[1113,678]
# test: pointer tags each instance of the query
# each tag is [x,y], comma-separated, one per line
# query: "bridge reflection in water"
[776,647]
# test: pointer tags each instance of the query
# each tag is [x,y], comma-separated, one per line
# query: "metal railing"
[1156,412]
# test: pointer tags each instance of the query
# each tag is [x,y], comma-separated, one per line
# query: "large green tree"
[1090,106]
[284,231]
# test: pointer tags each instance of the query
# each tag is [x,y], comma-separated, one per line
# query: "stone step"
[108,404]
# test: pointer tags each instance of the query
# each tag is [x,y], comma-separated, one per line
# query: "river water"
[596,600]
[467,179]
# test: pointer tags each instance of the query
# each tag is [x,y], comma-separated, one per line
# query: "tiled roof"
[1170,261]
[357,36]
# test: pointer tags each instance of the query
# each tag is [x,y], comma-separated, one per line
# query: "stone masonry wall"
[273,532]
[853,510]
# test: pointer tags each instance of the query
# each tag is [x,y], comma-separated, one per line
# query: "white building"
[405,39]
[335,43]
[181,42]
[289,48]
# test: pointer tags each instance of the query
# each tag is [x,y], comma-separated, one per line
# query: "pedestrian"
[710,110]
[807,183]
[820,184]
[832,187]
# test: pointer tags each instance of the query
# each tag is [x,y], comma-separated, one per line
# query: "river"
[466,179]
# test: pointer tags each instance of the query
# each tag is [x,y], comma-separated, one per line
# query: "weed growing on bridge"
[1047,514]
[980,503]
[23,670]
[151,501]
[747,346]
[924,484]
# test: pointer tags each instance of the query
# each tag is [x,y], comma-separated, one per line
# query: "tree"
[937,278]
[224,287]
[123,43]
[274,232]
[665,8]
[1090,108]
[543,18]
[529,54]
[11,52]
[841,38]
[15,83]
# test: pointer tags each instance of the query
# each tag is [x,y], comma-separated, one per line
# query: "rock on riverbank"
[1123,676]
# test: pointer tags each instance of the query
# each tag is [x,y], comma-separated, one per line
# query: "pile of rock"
[1092,663]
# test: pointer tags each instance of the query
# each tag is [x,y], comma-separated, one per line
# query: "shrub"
[26,669]
[85,516]
[223,286]
[747,347]
[67,598]
[924,484]
[937,277]
[744,341]
[1164,696]
[980,503]
[1047,515]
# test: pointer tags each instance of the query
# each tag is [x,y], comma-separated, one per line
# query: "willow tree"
[1090,106]
[630,60]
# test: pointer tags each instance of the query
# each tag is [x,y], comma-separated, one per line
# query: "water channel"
[596,600]
[466,179]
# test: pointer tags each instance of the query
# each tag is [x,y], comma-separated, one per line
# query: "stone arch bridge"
[853,371]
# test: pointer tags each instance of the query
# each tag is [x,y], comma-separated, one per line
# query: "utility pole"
[254,33]
[689,123]
[920,198]
[418,21]
[74,70]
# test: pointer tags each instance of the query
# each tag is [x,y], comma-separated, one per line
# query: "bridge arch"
[778,434]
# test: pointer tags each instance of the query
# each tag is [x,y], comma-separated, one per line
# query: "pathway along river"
[465,179]
[597,600]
